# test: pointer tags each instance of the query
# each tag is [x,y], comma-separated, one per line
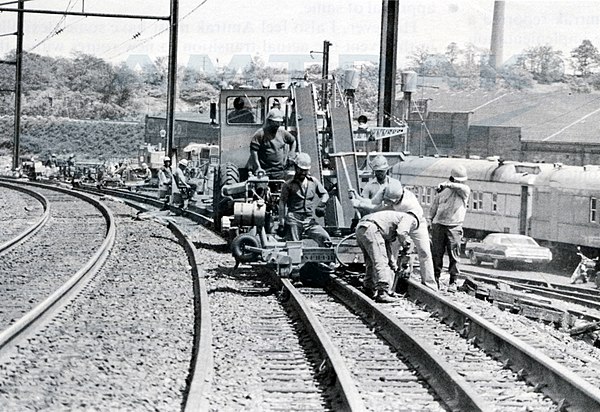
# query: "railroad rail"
[29,231]
[53,303]
[392,328]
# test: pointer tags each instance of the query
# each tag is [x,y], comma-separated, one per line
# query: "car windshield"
[514,241]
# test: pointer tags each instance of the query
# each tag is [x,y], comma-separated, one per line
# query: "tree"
[544,63]
[585,56]
[418,59]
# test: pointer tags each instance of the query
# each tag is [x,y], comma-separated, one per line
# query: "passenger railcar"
[501,191]
[566,206]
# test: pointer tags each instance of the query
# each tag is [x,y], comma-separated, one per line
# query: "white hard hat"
[459,173]
[166,159]
[276,115]
[393,191]
[379,163]
[183,162]
[144,165]
[303,161]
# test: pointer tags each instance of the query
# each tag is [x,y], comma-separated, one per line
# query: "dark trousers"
[446,239]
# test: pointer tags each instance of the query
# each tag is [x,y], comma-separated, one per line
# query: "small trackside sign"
[318,254]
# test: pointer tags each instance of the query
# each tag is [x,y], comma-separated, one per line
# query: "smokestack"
[496,58]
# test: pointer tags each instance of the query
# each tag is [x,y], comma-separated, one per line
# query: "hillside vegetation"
[88,106]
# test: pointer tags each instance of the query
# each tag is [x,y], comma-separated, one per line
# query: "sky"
[283,33]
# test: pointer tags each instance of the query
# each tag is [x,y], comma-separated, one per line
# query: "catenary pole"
[172,80]
[18,71]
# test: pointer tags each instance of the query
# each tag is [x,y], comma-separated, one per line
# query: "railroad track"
[17,216]
[299,348]
[63,353]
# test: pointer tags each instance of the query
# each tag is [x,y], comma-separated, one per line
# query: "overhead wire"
[141,42]
[57,29]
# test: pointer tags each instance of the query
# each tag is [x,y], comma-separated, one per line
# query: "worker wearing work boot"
[296,205]
[392,196]
[375,234]
[271,146]
[447,214]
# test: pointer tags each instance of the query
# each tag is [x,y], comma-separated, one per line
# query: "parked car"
[501,248]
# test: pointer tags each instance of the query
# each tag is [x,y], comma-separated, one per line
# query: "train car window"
[477,200]
[245,110]
[422,194]
[495,202]
[593,210]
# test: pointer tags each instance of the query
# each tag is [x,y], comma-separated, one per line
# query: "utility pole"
[19,51]
[172,81]
[325,73]
[18,70]
[387,65]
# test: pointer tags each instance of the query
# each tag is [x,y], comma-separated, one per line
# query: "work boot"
[369,291]
[381,296]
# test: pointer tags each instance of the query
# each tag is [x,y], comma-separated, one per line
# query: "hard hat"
[459,173]
[303,161]
[276,115]
[379,163]
[144,165]
[393,191]
[183,162]
[166,159]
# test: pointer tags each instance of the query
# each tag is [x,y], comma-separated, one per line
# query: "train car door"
[525,210]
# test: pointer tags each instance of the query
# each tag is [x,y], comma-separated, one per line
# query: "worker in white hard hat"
[446,215]
[146,173]
[375,234]
[297,209]
[272,146]
[393,196]
[165,180]
[182,188]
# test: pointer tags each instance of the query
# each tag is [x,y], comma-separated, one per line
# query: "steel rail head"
[452,388]
[350,397]
[31,230]
[45,310]
[201,368]
[556,381]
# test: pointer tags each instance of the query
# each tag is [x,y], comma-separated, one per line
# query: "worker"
[272,147]
[183,188]
[380,167]
[165,180]
[296,205]
[145,173]
[375,234]
[446,216]
[393,196]
[241,112]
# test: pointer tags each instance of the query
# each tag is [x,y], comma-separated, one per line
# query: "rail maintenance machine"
[245,205]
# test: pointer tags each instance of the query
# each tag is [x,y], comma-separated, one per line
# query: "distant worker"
[296,205]
[375,235]
[241,113]
[447,214]
[393,196]
[184,190]
[145,173]
[272,147]
[165,179]
[70,165]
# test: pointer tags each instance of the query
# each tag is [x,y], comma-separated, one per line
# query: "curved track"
[16,216]
[307,349]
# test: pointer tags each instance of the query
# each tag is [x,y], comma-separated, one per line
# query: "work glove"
[320,211]
[355,202]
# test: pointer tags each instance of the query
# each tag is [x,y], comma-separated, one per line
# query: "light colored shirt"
[449,206]
[392,224]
